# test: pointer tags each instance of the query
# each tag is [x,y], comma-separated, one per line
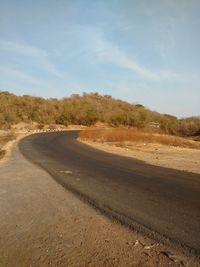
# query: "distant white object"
[154,124]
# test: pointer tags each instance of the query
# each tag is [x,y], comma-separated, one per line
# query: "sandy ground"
[42,224]
[184,159]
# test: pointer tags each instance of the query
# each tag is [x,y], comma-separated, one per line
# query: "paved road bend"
[163,203]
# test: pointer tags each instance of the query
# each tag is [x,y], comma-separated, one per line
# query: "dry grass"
[122,134]
[5,138]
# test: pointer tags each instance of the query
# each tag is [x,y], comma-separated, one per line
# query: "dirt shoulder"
[184,159]
[42,224]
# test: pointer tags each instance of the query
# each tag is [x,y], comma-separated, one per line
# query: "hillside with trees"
[88,109]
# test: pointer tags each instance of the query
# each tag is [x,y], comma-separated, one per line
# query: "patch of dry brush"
[123,134]
[89,109]
[5,138]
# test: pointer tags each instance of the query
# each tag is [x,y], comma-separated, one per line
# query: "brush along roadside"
[5,137]
[122,134]
[171,152]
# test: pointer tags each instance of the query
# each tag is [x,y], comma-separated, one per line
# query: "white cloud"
[20,76]
[106,51]
[12,78]
[34,55]
[25,50]
[118,57]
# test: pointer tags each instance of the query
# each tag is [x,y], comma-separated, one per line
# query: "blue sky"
[142,51]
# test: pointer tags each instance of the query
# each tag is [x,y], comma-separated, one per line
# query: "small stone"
[150,246]
[138,243]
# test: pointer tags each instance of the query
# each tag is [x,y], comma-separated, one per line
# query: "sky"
[141,51]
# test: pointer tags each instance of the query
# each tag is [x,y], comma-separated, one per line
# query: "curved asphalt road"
[163,203]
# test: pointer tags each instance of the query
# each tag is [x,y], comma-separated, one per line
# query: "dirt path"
[42,224]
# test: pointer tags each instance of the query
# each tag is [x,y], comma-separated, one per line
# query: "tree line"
[88,109]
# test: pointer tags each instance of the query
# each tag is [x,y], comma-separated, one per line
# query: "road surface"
[160,202]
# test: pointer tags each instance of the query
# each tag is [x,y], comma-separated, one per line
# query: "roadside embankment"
[165,151]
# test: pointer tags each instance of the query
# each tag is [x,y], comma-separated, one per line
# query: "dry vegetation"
[88,109]
[120,135]
[5,137]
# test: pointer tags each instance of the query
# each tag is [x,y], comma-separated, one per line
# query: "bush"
[87,110]
[120,134]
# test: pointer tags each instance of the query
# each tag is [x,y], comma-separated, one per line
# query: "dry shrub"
[122,134]
[4,138]
[2,153]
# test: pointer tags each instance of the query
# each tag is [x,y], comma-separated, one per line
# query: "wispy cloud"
[21,76]
[106,51]
[22,49]
[118,57]
[34,54]
[28,84]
